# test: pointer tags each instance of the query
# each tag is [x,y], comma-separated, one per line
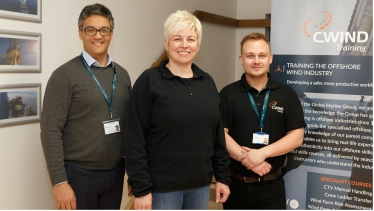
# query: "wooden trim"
[254,23]
[215,19]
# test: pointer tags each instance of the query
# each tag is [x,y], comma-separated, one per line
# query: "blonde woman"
[175,134]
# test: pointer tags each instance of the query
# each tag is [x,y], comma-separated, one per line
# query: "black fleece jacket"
[175,138]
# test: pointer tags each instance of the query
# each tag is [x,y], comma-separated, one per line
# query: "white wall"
[248,9]
[137,43]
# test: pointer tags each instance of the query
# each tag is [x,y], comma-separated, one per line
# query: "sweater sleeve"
[221,158]
[138,123]
[224,107]
[56,104]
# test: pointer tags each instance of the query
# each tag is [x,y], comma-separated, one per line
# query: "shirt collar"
[92,62]
[197,72]
[245,87]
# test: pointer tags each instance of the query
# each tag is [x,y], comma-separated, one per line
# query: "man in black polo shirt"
[263,121]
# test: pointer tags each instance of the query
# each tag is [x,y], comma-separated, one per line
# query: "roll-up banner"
[323,49]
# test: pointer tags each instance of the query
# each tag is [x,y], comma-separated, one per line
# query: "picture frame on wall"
[20,51]
[24,10]
[19,103]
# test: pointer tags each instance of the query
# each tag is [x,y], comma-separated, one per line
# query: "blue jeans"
[192,199]
[270,194]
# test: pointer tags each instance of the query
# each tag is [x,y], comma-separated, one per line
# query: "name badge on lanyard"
[111,125]
[260,137]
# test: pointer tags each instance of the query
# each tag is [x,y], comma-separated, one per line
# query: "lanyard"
[263,108]
[114,83]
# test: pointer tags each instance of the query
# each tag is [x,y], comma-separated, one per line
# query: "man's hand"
[222,192]
[64,197]
[143,202]
[252,157]
[262,169]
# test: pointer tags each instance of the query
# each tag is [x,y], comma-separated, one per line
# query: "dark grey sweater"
[71,120]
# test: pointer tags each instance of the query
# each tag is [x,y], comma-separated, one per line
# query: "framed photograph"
[25,10]
[20,51]
[19,103]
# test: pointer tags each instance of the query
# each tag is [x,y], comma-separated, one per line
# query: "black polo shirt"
[283,114]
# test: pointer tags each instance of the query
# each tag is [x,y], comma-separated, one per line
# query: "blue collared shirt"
[91,61]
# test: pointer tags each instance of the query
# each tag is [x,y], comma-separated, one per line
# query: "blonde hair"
[179,21]
[254,36]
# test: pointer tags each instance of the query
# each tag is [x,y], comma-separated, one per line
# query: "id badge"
[111,126]
[260,138]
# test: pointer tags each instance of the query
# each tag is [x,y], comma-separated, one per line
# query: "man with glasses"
[85,99]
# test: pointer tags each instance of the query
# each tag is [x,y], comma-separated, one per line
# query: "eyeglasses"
[92,31]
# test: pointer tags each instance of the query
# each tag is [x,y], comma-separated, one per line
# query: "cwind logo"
[316,26]
[273,105]
[321,20]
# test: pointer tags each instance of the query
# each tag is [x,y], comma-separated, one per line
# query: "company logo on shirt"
[273,105]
